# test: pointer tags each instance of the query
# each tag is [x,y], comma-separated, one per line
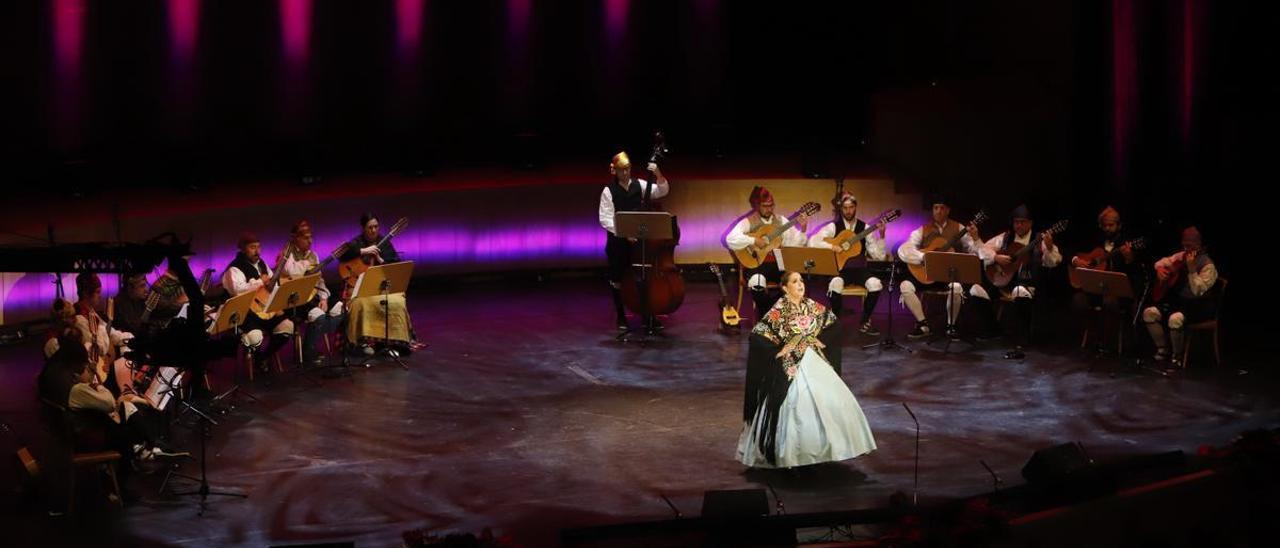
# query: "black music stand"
[642,226]
[962,268]
[231,316]
[887,342]
[1109,285]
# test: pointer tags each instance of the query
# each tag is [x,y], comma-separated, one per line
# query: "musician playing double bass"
[367,321]
[626,193]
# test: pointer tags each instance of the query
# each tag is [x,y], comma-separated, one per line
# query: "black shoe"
[1015,354]
[869,330]
[921,330]
[622,324]
[953,333]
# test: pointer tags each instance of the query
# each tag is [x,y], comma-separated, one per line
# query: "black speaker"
[741,518]
[1057,464]
[738,503]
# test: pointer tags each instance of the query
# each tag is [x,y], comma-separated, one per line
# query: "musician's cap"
[247,238]
[620,161]
[1110,214]
[842,197]
[760,196]
[1021,212]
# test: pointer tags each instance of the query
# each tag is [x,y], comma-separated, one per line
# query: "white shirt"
[606,201]
[236,283]
[1049,258]
[104,338]
[873,245]
[738,238]
[1198,282]
[293,268]
[910,252]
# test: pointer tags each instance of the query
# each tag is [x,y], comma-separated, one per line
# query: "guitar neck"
[1026,249]
[863,235]
[1118,251]
[723,293]
[778,231]
[204,281]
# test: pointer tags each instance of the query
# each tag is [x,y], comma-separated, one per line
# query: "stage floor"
[526,416]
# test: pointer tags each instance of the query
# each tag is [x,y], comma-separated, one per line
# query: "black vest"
[858,225]
[251,271]
[1029,272]
[630,199]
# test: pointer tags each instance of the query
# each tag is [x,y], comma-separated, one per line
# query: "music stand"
[642,225]
[810,260]
[288,296]
[160,391]
[384,280]
[961,268]
[231,315]
[887,341]
[1105,283]
[1109,285]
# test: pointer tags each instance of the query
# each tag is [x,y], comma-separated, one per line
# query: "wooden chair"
[59,418]
[1207,326]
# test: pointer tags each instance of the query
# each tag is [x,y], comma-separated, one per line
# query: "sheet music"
[162,386]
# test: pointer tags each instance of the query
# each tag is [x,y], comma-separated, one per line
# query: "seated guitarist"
[103,341]
[939,226]
[1023,286]
[1190,298]
[368,323]
[739,237]
[854,271]
[248,272]
[322,318]
[1118,255]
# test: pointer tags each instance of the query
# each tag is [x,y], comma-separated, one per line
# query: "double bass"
[653,286]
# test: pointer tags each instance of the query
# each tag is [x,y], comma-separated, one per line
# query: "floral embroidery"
[794,325]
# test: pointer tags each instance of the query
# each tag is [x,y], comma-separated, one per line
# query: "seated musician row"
[1015,261]
[149,312]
